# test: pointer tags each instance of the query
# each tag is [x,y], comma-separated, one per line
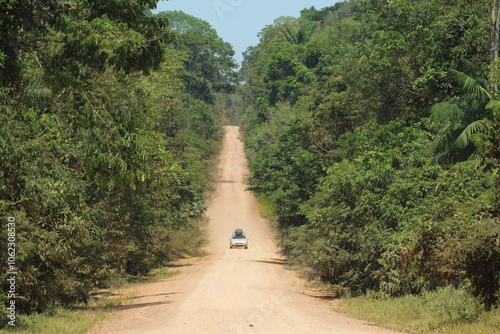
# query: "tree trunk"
[494,26]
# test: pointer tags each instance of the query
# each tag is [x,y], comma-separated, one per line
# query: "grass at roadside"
[79,319]
[267,208]
[59,320]
[445,311]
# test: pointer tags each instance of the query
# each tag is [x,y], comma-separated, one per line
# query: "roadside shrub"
[449,305]
[475,252]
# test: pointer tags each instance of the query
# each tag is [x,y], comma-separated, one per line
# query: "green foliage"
[327,15]
[230,107]
[286,172]
[462,119]
[338,132]
[278,70]
[104,162]
[297,33]
[407,61]
[368,208]
[92,34]
[362,202]
[209,64]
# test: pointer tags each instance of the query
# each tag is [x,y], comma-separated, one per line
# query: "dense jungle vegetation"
[372,129]
[109,123]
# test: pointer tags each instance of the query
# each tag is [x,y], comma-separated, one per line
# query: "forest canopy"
[372,127]
[105,147]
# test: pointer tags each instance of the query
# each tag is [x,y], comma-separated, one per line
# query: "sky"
[239,21]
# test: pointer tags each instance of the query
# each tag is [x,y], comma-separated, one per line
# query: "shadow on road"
[140,305]
[273,261]
[226,181]
[159,294]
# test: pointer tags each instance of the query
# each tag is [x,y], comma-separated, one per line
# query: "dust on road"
[233,291]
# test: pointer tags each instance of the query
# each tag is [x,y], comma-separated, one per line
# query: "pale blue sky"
[239,21]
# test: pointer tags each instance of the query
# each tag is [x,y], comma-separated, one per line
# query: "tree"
[101,157]
[92,33]
[462,119]
[297,32]
[286,171]
[413,46]
[495,23]
[209,63]
[494,27]
[338,131]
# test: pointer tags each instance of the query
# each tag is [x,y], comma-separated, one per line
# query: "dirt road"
[231,290]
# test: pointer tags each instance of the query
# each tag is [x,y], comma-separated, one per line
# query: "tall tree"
[91,33]
[209,63]
[495,25]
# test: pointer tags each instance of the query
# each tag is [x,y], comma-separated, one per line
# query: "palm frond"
[446,128]
[476,156]
[308,33]
[296,33]
[465,139]
[461,118]
[474,87]
[38,94]
[447,111]
[443,141]
[288,34]
[442,157]
[475,71]
[470,68]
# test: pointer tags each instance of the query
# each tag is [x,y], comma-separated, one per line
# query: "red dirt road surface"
[235,291]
